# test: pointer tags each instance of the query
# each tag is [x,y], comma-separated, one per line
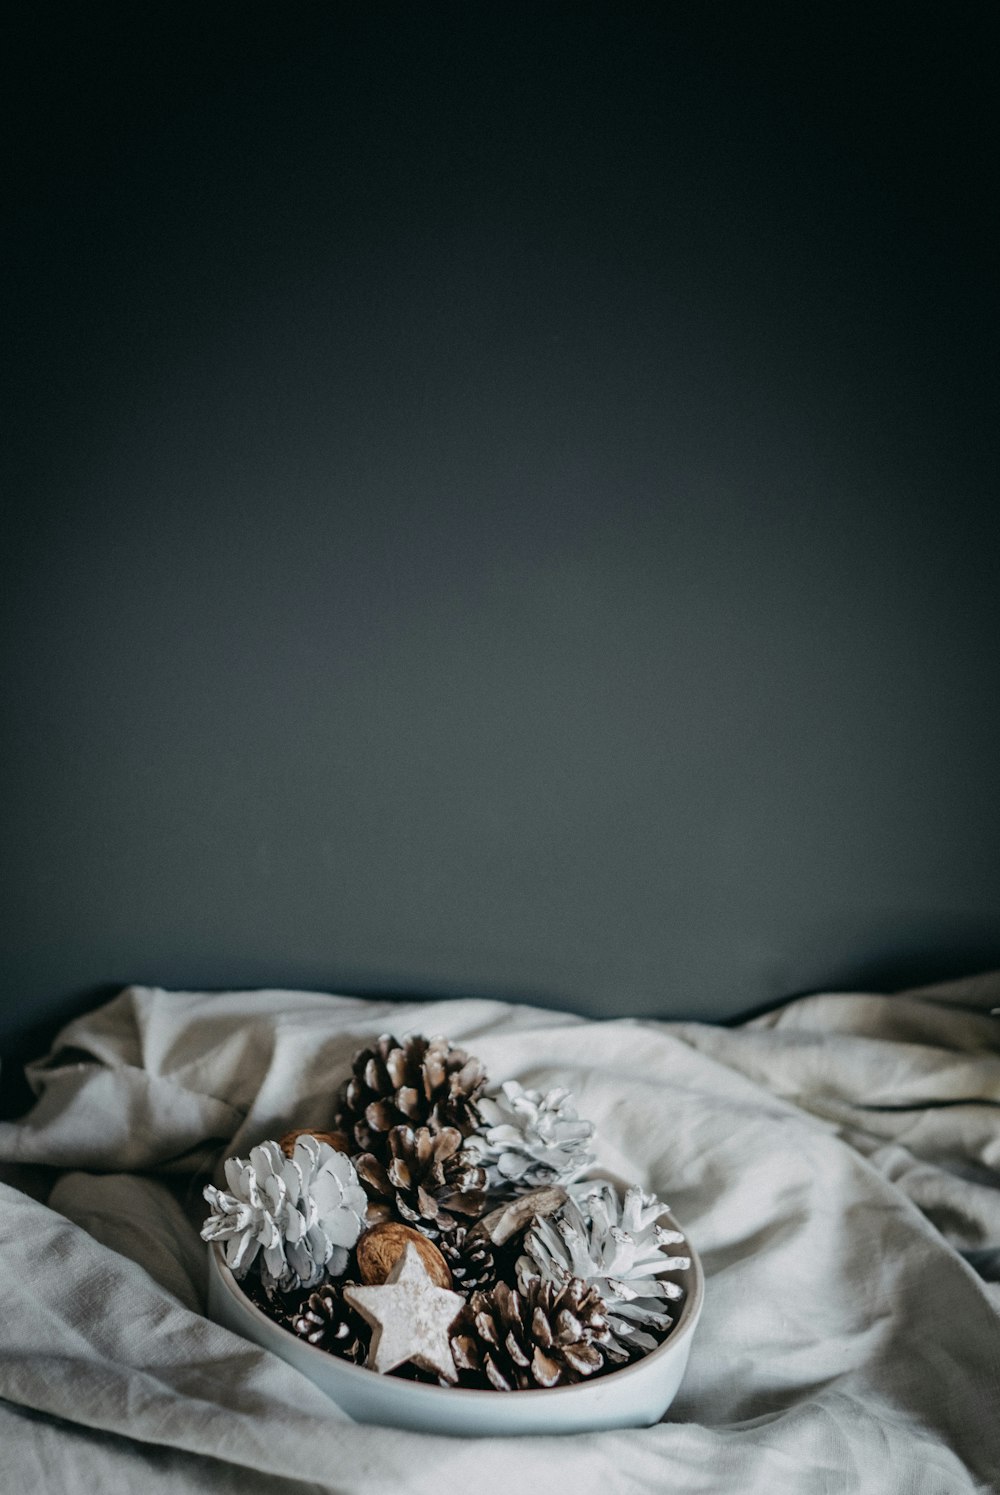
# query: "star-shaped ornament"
[410,1318]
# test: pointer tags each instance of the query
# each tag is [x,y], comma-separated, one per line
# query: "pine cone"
[545,1335]
[324,1319]
[528,1139]
[419,1082]
[427,1180]
[619,1248]
[299,1215]
[473,1262]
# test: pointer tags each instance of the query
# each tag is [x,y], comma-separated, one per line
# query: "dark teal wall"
[500,499]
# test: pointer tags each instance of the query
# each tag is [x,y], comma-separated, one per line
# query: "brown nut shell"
[379,1249]
[337,1140]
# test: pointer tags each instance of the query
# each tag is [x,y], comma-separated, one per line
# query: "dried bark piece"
[339,1141]
[502,1224]
[380,1248]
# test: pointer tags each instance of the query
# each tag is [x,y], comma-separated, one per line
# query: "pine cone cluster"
[561,1280]
[541,1336]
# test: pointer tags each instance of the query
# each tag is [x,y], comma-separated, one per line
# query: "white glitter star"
[410,1318]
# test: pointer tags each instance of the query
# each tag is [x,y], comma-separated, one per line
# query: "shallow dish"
[635,1396]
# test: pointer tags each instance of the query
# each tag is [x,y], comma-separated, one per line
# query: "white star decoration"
[410,1318]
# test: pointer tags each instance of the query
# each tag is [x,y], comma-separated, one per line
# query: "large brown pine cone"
[547,1335]
[426,1180]
[419,1082]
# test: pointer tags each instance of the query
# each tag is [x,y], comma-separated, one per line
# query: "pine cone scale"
[518,1352]
[375,1075]
[470,1203]
[541,1329]
[546,1372]
[496,1378]
[371,1172]
[435,1073]
[399,1174]
[379,1116]
[428,1205]
[584,1358]
[568,1327]
[408,1101]
[463,1347]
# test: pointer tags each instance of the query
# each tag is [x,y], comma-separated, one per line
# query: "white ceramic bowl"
[635,1396]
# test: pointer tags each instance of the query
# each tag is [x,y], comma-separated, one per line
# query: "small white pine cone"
[528,1139]
[301,1215]
[619,1247]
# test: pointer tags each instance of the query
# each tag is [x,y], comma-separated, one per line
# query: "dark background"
[499,499]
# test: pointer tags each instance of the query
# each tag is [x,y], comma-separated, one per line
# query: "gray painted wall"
[501,500]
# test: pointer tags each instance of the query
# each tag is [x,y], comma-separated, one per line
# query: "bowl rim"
[682,1330]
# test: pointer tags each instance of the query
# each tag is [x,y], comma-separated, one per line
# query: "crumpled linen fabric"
[836,1163]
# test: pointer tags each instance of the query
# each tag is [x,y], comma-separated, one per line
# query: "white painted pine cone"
[529,1139]
[301,1214]
[618,1246]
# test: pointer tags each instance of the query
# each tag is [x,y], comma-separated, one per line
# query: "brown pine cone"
[547,1335]
[426,1180]
[419,1082]
[324,1319]
[473,1262]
